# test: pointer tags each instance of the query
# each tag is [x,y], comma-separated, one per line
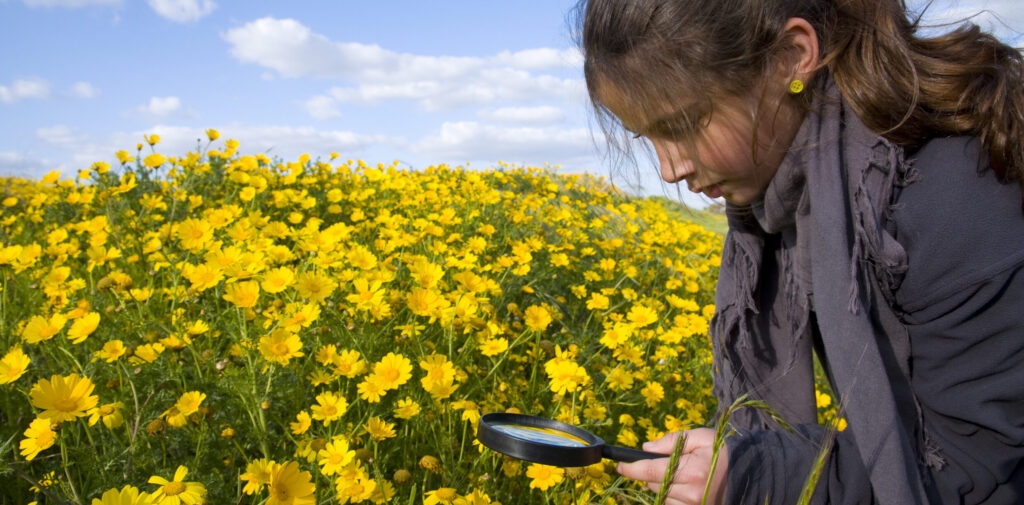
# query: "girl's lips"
[711,190]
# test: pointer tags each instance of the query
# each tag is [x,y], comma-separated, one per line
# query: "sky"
[449,81]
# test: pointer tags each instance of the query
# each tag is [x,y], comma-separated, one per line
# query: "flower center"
[446,493]
[330,410]
[66,404]
[174,488]
[281,349]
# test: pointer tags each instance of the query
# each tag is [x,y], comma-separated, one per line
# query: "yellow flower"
[329,406]
[154,160]
[392,371]
[368,296]
[349,363]
[202,277]
[112,351]
[301,424]
[371,390]
[243,294]
[151,139]
[641,316]
[13,365]
[212,134]
[653,393]
[194,234]
[177,491]
[83,327]
[566,375]
[280,346]
[493,346]
[188,403]
[537,317]
[257,474]
[123,157]
[38,437]
[146,353]
[63,398]
[426,302]
[110,413]
[277,280]
[355,489]
[290,486]
[440,373]
[40,328]
[407,408]
[335,456]
[379,429]
[313,286]
[425,273]
[443,496]
[10,254]
[128,495]
[544,476]
[302,316]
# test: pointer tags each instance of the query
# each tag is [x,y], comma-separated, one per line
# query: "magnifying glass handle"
[629,455]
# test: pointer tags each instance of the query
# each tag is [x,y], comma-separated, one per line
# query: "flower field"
[239,329]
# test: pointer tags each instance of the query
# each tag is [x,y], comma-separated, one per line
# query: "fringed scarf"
[814,255]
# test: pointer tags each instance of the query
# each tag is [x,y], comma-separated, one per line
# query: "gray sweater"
[962,302]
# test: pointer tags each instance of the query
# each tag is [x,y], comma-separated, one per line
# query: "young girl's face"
[714,154]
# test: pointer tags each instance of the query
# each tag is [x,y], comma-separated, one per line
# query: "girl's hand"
[691,476]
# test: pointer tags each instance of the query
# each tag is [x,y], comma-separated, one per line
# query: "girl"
[873,185]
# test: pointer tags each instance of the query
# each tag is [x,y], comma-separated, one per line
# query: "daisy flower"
[177,491]
[63,398]
[38,437]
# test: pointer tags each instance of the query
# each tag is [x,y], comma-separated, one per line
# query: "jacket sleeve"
[771,467]
[961,302]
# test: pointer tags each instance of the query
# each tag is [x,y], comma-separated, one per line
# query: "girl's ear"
[803,49]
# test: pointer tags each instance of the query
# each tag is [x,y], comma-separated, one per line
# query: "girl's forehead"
[641,106]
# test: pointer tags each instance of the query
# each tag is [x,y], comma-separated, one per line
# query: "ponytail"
[910,88]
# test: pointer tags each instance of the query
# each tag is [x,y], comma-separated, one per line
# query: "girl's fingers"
[695,439]
[689,471]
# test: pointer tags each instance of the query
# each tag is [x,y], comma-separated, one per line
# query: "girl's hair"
[903,85]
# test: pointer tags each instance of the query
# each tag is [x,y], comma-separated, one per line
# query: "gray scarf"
[814,255]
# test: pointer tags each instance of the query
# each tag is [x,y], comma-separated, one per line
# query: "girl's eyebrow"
[688,113]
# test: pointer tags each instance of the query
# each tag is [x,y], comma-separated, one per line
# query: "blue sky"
[422,82]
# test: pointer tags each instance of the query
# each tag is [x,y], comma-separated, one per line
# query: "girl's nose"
[674,165]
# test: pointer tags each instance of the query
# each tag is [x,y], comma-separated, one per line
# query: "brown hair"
[903,85]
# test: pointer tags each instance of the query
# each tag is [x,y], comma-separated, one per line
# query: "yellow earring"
[796,86]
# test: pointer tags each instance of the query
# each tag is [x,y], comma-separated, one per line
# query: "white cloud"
[83,89]
[1004,18]
[545,114]
[34,87]
[372,73]
[473,141]
[542,58]
[62,135]
[182,11]
[69,3]
[322,107]
[14,164]
[161,106]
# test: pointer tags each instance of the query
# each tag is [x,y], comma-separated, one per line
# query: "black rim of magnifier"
[548,454]
[545,454]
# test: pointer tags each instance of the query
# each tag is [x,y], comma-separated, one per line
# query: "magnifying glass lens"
[541,435]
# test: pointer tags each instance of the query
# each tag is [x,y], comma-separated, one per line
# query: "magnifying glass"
[549,442]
